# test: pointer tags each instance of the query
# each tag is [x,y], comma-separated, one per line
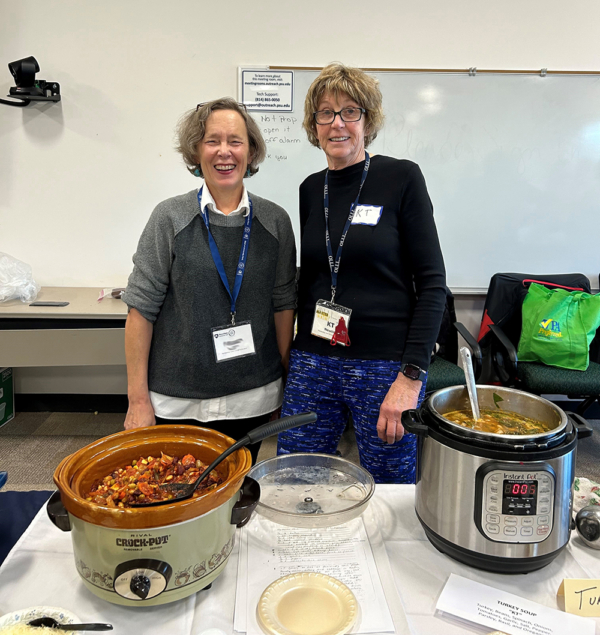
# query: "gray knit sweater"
[175,285]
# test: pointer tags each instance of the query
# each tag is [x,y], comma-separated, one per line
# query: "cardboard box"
[7,396]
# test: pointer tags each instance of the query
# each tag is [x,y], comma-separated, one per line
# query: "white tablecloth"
[40,570]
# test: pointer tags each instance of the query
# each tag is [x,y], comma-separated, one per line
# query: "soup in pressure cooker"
[498,422]
[140,481]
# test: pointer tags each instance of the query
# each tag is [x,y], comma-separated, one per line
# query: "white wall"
[78,179]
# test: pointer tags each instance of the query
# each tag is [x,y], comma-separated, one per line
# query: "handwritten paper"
[477,603]
[343,552]
[581,596]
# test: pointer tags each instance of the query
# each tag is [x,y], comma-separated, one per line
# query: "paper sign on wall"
[582,597]
[264,90]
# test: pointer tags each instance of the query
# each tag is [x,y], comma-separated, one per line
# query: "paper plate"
[33,612]
[307,604]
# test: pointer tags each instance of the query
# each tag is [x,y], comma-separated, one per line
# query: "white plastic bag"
[16,280]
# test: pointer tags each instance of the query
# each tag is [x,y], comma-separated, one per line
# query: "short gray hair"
[191,129]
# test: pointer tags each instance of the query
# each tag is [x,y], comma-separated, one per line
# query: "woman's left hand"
[402,395]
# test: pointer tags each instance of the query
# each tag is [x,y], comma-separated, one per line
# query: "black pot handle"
[57,512]
[412,422]
[242,510]
[581,425]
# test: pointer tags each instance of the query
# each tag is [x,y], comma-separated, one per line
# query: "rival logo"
[550,328]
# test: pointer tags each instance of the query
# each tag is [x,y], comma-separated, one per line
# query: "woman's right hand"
[140,415]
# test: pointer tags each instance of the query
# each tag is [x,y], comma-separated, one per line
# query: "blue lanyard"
[334,265]
[214,250]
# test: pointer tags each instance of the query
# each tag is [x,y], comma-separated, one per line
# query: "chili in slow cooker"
[141,480]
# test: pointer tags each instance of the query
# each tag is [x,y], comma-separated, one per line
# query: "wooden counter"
[86,332]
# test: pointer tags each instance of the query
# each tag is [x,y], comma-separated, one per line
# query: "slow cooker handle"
[412,422]
[242,510]
[581,425]
[57,512]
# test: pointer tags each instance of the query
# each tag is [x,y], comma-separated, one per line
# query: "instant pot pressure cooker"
[495,501]
[154,555]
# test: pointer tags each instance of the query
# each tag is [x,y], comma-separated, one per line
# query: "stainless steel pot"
[154,555]
[497,502]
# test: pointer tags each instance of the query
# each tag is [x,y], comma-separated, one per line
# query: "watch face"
[412,372]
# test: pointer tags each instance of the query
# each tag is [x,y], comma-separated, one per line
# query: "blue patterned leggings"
[334,387]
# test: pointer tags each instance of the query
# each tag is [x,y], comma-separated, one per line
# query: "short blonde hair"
[191,129]
[362,88]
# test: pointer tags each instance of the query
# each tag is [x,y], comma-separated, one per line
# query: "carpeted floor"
[33,444]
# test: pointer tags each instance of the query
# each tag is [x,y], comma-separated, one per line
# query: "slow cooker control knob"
[141,579]
[140,585]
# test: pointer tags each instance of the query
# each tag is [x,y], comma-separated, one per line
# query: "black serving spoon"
[50,622]
[182,491]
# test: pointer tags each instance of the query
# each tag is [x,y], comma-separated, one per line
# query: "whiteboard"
[512,165]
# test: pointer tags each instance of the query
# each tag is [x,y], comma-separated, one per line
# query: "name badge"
[367,214]
[331,322]
[233,341]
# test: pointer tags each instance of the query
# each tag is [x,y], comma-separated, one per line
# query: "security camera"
[28,88]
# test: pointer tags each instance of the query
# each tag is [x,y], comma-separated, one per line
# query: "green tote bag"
[558,327]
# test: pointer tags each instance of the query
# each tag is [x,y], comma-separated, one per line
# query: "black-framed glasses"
[208,102]
[347,115]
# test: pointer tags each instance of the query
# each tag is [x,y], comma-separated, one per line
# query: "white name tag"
[233,341]
[331,322]
[367,214]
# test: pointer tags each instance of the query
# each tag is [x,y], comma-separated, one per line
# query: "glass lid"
[312,490]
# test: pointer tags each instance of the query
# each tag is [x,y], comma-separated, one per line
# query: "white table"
[40,571]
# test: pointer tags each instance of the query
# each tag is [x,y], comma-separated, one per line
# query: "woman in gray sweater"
[212,293]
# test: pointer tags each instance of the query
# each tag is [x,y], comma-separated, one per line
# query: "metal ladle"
[467,361]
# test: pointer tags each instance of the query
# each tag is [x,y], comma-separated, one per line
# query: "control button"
[528,522]
[510,531]
[544,509]
[510,521]
[543,530]
[544,499]
[543,520]
[544,490]
[492,529]
[492,508]
[494,479]
[494,498]
[494,489]
[527,531]
[493,518]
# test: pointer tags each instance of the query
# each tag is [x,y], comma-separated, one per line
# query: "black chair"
[501,330]
[443,370]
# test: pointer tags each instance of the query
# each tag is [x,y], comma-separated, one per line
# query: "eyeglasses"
[347,115]
[204,103]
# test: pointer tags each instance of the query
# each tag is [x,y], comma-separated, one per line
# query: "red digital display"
[519,498]
[520,489]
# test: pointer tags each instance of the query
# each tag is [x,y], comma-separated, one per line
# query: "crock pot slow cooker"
[155,555]
[494,501]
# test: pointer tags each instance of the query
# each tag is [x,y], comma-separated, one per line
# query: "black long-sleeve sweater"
[391,275]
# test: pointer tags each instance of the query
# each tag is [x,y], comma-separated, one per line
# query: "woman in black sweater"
[372,284]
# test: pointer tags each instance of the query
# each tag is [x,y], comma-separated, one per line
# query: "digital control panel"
[517,506]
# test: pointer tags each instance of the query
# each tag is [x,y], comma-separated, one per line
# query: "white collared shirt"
[239,405]
[242,209]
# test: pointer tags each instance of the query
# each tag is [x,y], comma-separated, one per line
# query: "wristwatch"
[413,372]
